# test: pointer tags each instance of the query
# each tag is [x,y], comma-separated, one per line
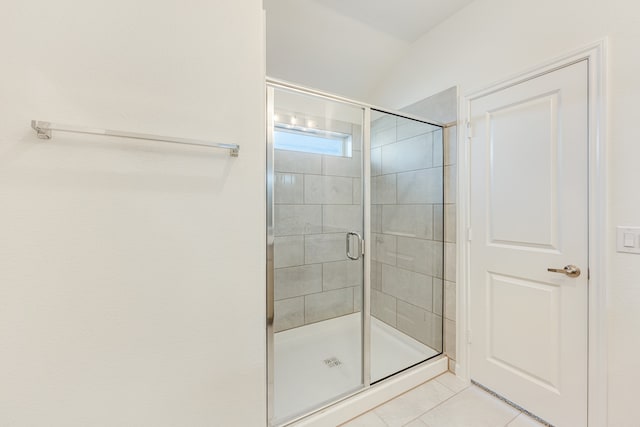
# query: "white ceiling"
[404,19]
[346,47]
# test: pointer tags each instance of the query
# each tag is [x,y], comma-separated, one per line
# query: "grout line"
[303,186]
[447,387]
[512,419]
[304,310]
[322,278]
[416,418]
[439,404]
[324,176]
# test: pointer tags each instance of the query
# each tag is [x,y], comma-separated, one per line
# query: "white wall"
[494,39]
[312,45]
[132,272]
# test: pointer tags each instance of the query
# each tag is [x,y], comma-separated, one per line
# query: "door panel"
[318,278]
[529,187]
[523,142]
[534,307]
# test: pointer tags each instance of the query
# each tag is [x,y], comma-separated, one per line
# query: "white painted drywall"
[494,39]
[313,45]
[132,272]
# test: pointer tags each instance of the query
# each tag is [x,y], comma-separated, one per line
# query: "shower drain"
[332,362]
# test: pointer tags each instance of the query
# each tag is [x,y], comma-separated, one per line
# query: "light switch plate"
[628,239]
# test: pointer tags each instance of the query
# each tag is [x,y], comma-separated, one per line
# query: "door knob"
[569,270]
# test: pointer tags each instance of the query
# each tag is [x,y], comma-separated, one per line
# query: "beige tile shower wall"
[450,239]
[407,233]
[317,200]
[443,107]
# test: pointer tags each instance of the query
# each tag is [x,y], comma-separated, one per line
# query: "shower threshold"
[317,363]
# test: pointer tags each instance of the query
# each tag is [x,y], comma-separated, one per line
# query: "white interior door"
[528,212]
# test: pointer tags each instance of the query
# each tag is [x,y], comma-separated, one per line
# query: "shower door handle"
[360,252]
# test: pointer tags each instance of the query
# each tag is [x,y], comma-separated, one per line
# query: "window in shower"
[293,138]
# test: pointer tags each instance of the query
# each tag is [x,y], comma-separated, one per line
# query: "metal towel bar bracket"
[44,130]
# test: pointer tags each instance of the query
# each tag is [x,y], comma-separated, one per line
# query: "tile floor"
[444,401]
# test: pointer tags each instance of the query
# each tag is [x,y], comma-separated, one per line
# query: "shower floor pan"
[316,363]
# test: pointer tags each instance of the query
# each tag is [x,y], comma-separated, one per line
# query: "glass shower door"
[314,238]
[406,243]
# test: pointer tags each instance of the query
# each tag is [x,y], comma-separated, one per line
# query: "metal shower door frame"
[271,86]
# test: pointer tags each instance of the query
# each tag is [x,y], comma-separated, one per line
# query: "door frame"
[595,54]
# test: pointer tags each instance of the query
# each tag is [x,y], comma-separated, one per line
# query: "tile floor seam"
[455,394]
[446,400]
[418,419]
[466,388]
[408,391]
[379,417]
[413,419]
[449,388]
[513,419]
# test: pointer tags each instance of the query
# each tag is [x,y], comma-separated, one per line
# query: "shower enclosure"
[354,247]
